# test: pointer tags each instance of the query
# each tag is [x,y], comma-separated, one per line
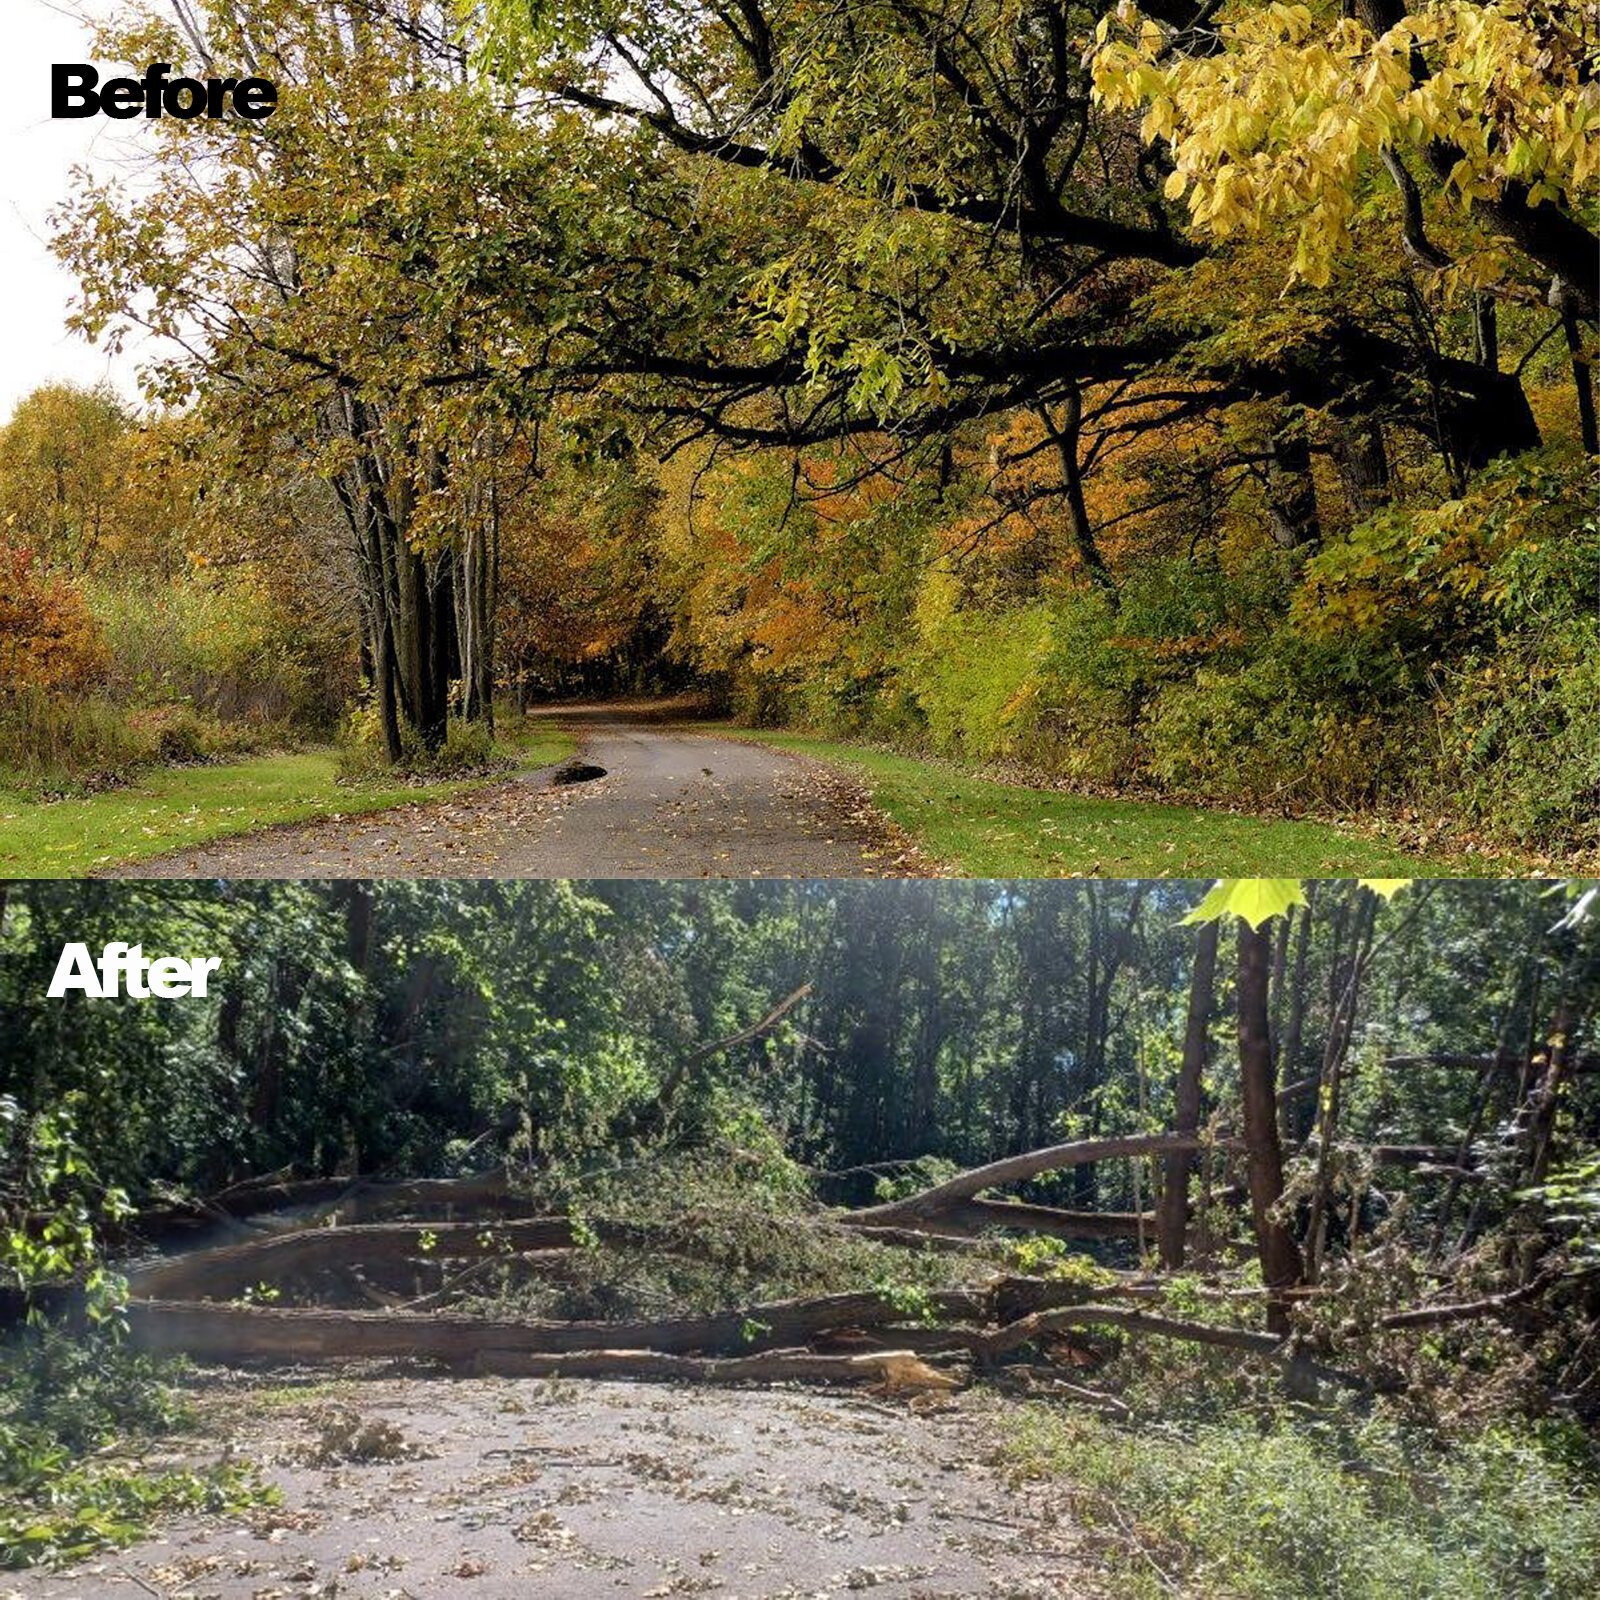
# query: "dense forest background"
[1195,403]
[380,1029]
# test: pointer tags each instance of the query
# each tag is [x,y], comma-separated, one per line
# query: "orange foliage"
[48,639]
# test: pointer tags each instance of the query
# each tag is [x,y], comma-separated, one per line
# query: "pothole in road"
[577,772]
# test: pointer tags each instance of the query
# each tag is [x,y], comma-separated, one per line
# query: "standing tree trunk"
[1363,462]
[1066,440]
[1173,1214]
[1280,1255]
[1292,1050]
[1291,493]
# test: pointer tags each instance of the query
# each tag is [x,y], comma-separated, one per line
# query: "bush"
[1290,729]
[67,1398]
[977,676]
[468,750]
[222,648]
[52,744]
[48,639]
[71,1410]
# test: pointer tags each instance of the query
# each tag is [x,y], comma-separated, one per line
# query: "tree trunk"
[1280,1256]
[1066,438]
[1291,493]
[1363,462]
[1173,1215]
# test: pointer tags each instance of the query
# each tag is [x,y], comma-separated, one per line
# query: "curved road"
[674,803]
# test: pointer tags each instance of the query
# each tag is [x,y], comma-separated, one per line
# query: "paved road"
[571,1490]
[674,803]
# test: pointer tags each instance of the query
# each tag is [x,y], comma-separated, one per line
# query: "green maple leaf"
[1256,900]
[1387,887]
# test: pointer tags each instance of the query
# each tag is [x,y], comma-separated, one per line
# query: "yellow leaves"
[1287,120]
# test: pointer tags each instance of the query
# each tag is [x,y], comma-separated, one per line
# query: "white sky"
[36,155]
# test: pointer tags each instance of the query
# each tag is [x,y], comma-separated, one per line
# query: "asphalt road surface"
[495,1489]
[675,802]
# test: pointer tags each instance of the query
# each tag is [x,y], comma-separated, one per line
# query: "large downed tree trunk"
[228,1271]
[209,1332]
[934,1202]
[893,1369]
[215,1332]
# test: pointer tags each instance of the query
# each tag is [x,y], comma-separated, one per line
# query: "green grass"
[986,829]
[1318,1507]
[170,808]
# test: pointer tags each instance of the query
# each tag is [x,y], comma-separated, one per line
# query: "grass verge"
[1319,1508]
[169,808]
[985,829]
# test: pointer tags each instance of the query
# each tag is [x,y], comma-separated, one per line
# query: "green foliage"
[1040,1256]
[73,1414]
[977,677]
[1336,1509]
[1295,725]
[67,1398]
[912,1176]
[1571,1195]
[729,1226]
[52,1206]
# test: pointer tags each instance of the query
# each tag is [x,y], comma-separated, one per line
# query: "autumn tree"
[331,279]
[64,458]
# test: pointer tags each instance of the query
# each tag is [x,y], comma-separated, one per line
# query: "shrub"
[48,639]
[1289,728]
[976,677]
[71,1410]
[223,648]
[53,744]
[468,750]
[67,1398]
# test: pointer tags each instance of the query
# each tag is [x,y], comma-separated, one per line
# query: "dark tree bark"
[1280,1256]
[1172,1216]
[1291,493]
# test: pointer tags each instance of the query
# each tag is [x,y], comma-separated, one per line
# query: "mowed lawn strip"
[987,829]
[168,808]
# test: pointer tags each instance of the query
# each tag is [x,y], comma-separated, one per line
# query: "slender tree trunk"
[1066,440]
[1583,381]
[1280,1256]
[1293,1050]
[1330,1082]
[1486,332]
[1173,1215]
